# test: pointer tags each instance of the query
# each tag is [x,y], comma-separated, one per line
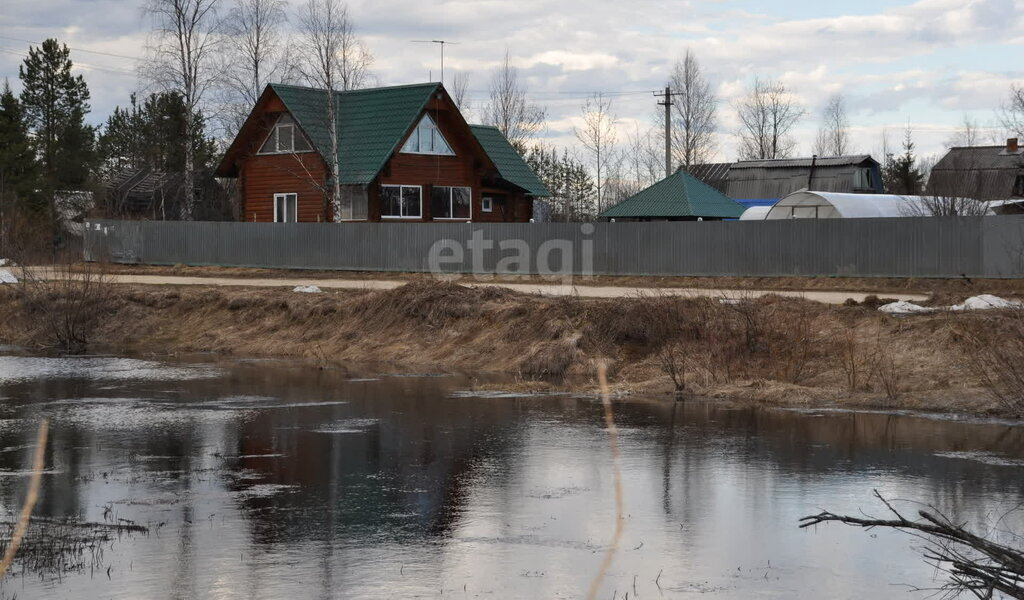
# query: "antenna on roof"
[440,43]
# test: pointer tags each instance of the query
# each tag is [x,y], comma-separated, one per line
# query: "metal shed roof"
[980,172]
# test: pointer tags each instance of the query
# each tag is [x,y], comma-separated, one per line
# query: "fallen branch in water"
[974,564]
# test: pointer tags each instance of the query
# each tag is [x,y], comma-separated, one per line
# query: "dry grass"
[767,349]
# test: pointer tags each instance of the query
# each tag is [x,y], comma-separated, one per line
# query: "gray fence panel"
[901,247]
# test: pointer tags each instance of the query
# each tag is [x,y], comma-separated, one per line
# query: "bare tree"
[973,563]
[459,91]
[695,113]
[597,134]
[834,134]
[509,110]
[335,60]
[1013,111]
[256,56]
[642,160]
[767,114]
[968,134]
[181,53]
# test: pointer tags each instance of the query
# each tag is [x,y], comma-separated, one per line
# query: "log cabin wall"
[264,175]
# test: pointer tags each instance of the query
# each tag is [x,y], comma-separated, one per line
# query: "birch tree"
[968,134]
[597,135]
[834,133]
[508,108]
[181,59]
[694,117]
[767,114]
[459,91]
[1013,111]
[334,59]
[257,55]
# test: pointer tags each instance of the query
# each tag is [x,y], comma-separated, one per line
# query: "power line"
[5,37]
[23,54]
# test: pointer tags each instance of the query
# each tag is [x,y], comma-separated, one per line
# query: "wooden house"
[405,153]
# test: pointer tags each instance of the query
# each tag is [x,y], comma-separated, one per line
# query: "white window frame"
[436,130]
[285,195]
[486,204]
[450,203]
[294,126]
[400,205]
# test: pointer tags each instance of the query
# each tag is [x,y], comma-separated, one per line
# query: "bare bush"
[995,350]
[889,373]
[856,358]
[672,358]
[62,304]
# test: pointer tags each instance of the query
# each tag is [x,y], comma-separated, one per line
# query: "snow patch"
[7,277]
[982,302]
[307,289]
[986,302]
[6,262]
[903,307]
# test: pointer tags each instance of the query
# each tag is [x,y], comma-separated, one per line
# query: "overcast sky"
[928,63]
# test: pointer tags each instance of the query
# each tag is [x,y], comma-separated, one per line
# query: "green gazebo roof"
[678,195]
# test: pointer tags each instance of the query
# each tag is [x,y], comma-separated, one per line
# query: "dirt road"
[553,289]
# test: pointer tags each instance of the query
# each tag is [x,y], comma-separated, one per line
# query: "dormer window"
[427,139]
[285,137]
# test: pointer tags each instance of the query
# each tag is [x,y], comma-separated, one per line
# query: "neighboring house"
[763,182]
[992,173]
[405,153]
[678,197]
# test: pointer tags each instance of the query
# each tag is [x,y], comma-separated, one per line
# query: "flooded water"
[261,479]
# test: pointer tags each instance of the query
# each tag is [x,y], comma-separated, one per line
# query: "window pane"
[278,209]
[271,144]
[300,144]
[440,202]
[284,138]
[390,201]
[293,208]
[440,145]
[411,202]
[460,202]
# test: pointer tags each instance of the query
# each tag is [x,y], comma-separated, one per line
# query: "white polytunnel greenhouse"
[833,205]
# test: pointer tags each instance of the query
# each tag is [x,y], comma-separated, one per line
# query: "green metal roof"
[370,123]
[511,167]
[678,195]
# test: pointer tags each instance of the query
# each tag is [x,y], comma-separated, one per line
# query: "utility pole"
[667,103]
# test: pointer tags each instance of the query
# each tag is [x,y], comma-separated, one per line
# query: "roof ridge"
[359,90]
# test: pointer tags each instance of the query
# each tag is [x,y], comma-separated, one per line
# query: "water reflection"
[264,480]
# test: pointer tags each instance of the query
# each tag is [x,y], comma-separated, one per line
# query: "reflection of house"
[678,197]
[763,182]
[994,173]
[403,153]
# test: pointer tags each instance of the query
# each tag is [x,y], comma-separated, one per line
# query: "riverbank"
[769,350]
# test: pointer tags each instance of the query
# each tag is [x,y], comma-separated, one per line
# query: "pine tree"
[17,163]
[146,136]
[55,103]
[901,175]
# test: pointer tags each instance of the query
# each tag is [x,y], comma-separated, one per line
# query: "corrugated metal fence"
[898,247]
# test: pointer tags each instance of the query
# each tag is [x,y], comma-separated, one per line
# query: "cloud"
[886,62]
